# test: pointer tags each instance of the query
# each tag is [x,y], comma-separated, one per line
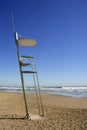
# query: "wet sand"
[60,112]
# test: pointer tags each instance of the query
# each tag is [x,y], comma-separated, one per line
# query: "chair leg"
[25,101]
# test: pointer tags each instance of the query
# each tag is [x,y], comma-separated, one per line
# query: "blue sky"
[59,26]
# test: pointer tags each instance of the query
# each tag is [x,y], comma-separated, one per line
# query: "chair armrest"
[27,56]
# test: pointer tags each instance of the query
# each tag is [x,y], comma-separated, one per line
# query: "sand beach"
[60,112]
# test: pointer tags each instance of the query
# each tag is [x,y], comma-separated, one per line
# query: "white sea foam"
[67,91]
[80,91]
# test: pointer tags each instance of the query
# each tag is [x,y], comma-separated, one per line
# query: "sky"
[59,27]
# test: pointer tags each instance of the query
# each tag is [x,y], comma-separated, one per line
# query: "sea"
[72,91]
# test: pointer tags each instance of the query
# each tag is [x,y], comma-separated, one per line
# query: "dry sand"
[61,113]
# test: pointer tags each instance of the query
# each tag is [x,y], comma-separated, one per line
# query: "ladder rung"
[24,64]
[27,56]
[25,71]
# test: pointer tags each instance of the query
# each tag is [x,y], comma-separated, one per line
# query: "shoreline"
[71,91]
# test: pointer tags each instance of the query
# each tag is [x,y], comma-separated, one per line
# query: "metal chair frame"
[35,78]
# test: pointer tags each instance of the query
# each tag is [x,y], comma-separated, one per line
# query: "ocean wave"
[67,91]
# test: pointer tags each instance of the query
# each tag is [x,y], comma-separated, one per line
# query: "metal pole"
[40,98]
[36,93]
[13,21]
[22,81]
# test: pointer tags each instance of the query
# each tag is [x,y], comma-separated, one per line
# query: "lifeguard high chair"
[25,42]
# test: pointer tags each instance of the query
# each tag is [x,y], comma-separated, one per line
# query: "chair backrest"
[16,37]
